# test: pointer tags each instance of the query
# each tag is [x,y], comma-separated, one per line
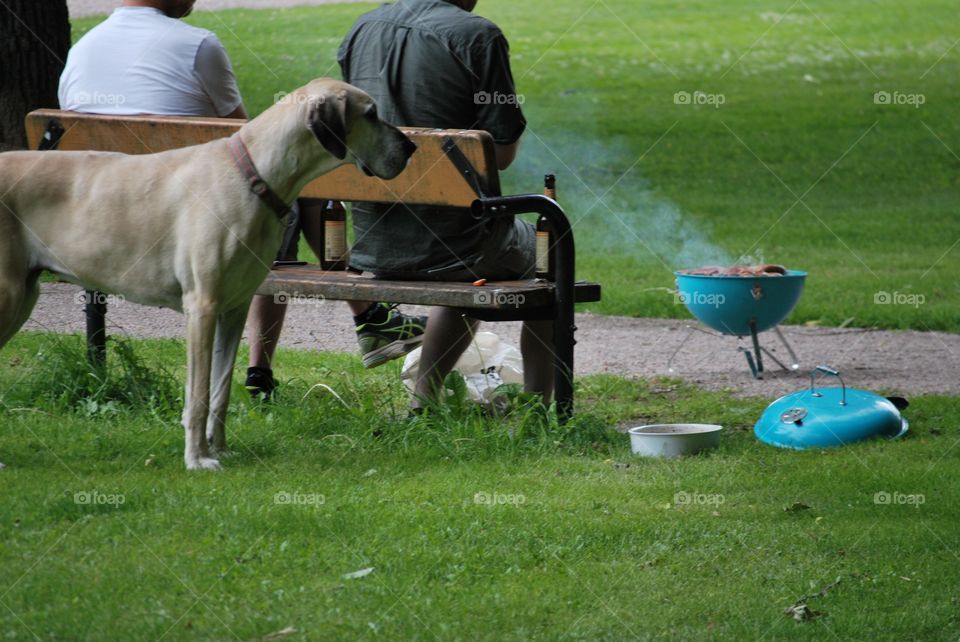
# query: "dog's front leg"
[229,331]
[201,324]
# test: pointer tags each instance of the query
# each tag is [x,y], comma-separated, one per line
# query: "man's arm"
[215,72]
[502,118]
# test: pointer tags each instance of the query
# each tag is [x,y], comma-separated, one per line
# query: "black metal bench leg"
[565,280]
[564,326]
[563,329]
[96,312]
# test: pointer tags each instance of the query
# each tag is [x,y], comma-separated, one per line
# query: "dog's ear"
[328,122]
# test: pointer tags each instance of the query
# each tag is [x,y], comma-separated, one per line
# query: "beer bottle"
[545,234]
[334,237]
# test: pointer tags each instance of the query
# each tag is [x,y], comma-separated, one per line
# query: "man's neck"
[166,8]
[466,5]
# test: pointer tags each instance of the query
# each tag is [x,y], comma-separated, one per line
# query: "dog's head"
[345,122]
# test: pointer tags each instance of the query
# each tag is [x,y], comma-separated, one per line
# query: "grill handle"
[828,371]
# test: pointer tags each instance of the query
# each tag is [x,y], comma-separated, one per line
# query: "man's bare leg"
[536,345]
[264,324]
[448,334]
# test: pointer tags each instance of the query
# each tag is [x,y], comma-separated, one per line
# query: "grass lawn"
[799,165]
[555,534]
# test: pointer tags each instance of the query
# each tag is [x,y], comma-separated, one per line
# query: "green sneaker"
[394,338]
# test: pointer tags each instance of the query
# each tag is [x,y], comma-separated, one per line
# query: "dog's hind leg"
[229,330]
[201,326]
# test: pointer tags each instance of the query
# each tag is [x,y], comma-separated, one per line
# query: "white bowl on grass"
[673,440]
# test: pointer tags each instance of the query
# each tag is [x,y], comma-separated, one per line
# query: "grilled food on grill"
[767,269]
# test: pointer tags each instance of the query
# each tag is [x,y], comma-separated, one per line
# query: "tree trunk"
[34,39]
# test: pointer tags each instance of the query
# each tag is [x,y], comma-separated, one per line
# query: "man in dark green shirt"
[432,63]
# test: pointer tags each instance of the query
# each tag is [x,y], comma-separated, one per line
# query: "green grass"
[684,185]
[472,535]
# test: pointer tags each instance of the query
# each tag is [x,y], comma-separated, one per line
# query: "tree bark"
[34,39]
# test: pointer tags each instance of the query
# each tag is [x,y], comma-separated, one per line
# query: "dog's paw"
[204,463]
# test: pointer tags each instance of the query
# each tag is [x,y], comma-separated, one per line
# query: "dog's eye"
[370,113]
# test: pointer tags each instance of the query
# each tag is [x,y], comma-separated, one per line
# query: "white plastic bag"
[485,365]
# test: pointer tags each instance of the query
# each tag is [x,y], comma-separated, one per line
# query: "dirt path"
[84,8]
[904,362]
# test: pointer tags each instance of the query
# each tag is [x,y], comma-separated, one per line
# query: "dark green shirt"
[429,63]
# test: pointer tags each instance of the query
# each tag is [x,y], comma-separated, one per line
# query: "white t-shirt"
[139,61]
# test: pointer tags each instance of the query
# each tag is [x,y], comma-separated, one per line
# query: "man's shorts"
[509,252]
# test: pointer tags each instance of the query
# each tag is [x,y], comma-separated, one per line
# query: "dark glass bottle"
[545,233]
[334,237]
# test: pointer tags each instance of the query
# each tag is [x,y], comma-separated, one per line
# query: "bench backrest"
[431,178]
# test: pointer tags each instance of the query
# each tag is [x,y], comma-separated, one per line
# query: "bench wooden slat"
[300,283]
[431,179]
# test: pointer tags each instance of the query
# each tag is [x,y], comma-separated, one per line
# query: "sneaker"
[260,380]
[394,338]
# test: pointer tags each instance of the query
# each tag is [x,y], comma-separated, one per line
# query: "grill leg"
[795,363]
[756,350]
[753,366]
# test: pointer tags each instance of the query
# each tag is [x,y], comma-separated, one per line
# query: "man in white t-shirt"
[144,60]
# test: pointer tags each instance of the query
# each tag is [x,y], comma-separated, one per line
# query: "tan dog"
[182,229]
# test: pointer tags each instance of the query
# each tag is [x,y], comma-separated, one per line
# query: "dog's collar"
[241,158]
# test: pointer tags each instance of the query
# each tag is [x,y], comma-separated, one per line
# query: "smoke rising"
[613,210]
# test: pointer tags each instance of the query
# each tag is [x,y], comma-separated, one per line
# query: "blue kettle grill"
[744,306]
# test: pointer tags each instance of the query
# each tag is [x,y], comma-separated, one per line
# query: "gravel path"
[84,8]
[904,362]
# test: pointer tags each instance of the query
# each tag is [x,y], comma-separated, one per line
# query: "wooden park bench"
[450,168]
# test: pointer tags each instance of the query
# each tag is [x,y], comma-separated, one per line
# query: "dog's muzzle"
[409,147]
